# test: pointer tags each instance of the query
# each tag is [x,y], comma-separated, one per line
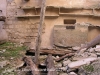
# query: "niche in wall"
[69,21]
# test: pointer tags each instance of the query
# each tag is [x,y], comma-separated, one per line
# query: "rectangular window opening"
[69,21]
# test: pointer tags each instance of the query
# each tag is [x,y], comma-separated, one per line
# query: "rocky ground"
[11,55]
[88,68]
[11,63]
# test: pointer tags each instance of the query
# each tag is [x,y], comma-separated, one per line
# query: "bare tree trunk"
[32,65]
[39,39]
[92,43]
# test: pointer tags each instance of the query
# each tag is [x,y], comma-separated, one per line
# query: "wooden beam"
[53,52]
[50,65]
[39,38]
[32,65]
[92,43]
[67,55]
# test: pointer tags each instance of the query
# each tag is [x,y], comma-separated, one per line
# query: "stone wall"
[24,29]
[3,34]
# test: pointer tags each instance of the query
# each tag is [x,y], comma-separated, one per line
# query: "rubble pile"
[84,62]
[84,58]
[73,60]
[81,62]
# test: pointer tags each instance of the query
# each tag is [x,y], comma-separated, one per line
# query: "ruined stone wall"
[25,29]
[19,30]
[3,34]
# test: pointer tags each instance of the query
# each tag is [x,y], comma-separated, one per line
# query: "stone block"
[63,74]
[68,36]
[65,63]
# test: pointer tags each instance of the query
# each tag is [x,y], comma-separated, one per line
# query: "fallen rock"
[81,52]
[97,46]
[20,64]
[98,54]
[63,74]
[65,59]
[3,63]
[77,58]
[3,58]
[72,73]
[64,68]
[97,50]
[71,70]
[59,65]
[76,48]
[91,50]
[12,58]
[57,56]
[43,57]
[93,55]
[4,50]
[79,63]
[66,62]
[1,52]
[85,54]
[81,71]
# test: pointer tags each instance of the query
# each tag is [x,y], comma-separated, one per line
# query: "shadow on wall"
[3,34]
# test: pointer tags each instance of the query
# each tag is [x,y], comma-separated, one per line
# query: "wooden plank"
[53,52]
[32,65]
[67,55]
[50,65]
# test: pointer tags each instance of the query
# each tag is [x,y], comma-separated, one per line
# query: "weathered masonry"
[23,16]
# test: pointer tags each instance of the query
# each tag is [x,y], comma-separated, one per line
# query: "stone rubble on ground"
[76,48]
[81,58]
[64,69]
[69,65]
[72,73]
[58,65]
[65,63]
[91,50]
[81,62]
[76,58]
[97,49]
[63,74]
[4,63]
